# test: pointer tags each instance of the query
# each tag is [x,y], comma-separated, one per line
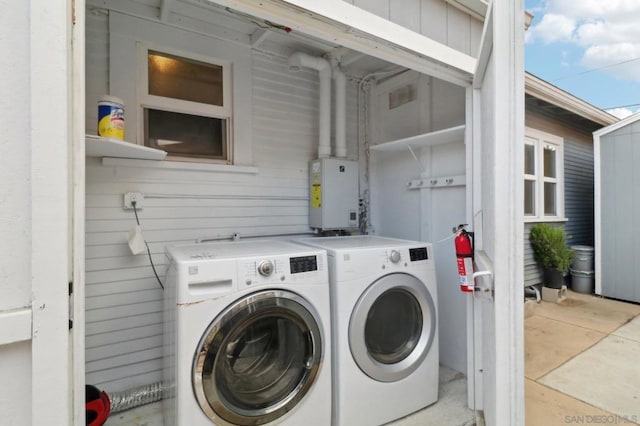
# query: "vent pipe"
[340,87]
[299,60]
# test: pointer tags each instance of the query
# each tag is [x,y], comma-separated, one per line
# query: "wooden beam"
[344,24]
[258,37]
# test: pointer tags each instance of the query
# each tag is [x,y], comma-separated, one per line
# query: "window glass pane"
[185,79]
[529,197]
[393,326]
[186,135]
[529,159]
[550,161]
[550,199]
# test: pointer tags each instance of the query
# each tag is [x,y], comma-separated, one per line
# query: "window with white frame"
[186,106]
[543,176]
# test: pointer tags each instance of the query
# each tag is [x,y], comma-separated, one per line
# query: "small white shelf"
[439,137]
[103,147]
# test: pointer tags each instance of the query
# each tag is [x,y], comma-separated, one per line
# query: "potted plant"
[551,253]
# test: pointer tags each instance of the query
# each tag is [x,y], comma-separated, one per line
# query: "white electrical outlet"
[131,197]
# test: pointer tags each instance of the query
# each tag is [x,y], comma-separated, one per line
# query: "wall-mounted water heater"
[334,194]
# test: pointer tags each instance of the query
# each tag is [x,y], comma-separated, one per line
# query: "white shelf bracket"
[415,157]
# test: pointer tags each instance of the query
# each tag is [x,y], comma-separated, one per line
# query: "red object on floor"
[97,406]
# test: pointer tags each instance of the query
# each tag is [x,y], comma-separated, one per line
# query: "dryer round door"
[392,327]
[258,358]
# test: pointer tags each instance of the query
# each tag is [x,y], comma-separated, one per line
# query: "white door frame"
[52,268]
[370,34]
[78,194]
[497,213]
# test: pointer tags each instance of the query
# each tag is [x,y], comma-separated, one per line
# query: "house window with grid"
[543,176]
[186,106]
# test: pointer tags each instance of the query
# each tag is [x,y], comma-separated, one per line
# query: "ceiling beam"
[258,37]
[344,24]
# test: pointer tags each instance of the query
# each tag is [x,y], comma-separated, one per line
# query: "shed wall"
[620,209]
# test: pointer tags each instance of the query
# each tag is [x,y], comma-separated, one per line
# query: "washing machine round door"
[392,327]
[258,358]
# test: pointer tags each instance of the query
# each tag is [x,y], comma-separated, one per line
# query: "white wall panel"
[405,13]
[427,214]
[432,18]
[15,166]
[123,299]
[15,374]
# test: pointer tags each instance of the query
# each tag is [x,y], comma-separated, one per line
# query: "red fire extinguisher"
[464,256]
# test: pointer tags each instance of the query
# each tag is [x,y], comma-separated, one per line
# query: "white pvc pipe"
[340,87]
[301,60]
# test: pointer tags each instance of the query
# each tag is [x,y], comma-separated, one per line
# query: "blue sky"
[590,48]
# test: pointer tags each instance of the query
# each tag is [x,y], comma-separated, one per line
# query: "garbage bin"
[582,258]
[582,273]
[582,281]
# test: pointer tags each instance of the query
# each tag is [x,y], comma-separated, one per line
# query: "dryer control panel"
[419,253]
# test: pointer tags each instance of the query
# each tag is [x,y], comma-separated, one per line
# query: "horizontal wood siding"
[432,18]
[124,301]
[532,272]
[578,191]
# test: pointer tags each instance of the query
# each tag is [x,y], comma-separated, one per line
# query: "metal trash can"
[582,281]
[582,273]
[582,258]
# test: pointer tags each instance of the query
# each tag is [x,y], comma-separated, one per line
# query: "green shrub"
[549,247]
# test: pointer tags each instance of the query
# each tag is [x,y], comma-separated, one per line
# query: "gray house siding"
[578,191]
[578,186]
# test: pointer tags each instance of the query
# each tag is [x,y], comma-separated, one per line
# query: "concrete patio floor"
[582,362]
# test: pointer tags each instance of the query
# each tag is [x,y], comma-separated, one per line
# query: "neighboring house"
[559,173]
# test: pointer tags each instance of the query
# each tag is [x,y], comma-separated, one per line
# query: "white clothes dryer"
[247,334]
[384,330]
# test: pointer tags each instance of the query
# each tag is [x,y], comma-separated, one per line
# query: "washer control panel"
[303,264]
[265,268]
[281,269]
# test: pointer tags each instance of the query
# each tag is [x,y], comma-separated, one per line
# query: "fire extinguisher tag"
[461,269]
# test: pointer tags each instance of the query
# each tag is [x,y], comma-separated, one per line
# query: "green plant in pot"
[551,253]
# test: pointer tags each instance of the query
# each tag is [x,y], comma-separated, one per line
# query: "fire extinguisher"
[464,257]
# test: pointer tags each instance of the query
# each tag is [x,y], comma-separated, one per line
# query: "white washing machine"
[247,334]
[385,336]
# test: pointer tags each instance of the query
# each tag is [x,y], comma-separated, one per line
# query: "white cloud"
[607,32]
[553,28]
[621,112]
[623,54]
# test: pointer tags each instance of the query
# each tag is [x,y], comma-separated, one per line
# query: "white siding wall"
[35,106]
[424,214]
[124,330]
[15,206]
[432,18]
